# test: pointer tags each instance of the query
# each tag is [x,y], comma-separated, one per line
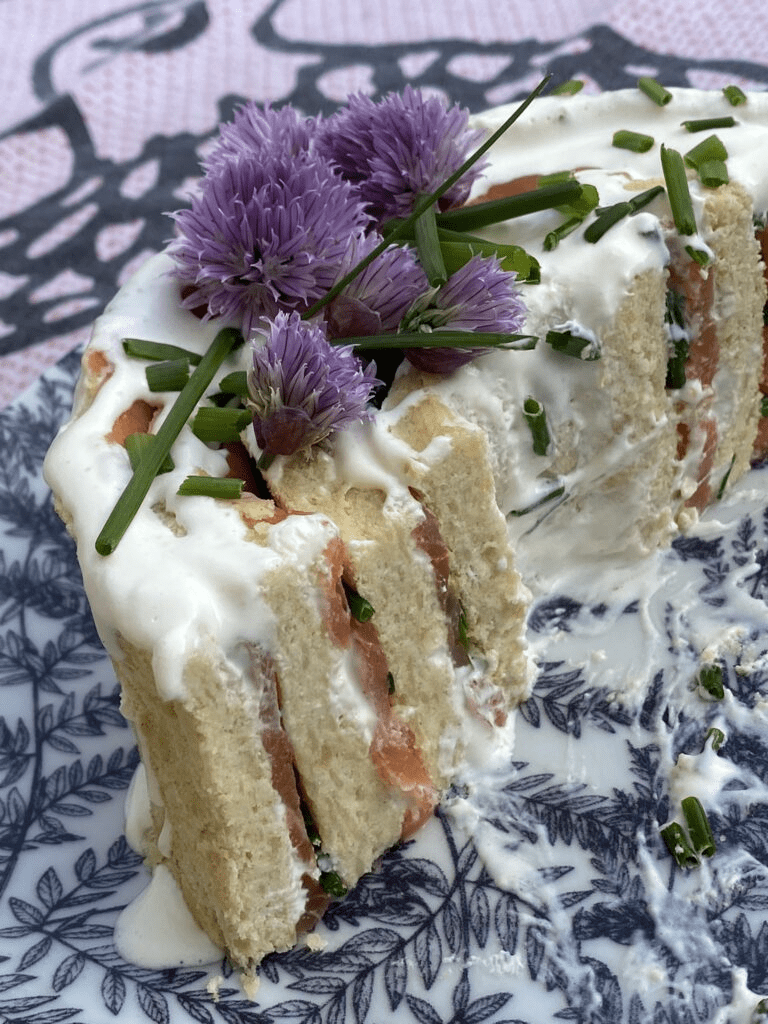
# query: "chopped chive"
[582,203]
[680,201]
[636,142]
[569,88]
[605,220]
[428,248]
[536,418]
[676,363]
[734,95]
[463,629]
[717,736]
[137,487]
[710,680]
[555,178]
[713,173]
[764,405]
[361,609]
[724,481]
[330,882]
[571,344]
[644,198]
[705,124]
[679,845]
[390,683]
[654,90]
[225,488]
[699,256]
[710,148]
[558,492]
[760,1013]
[678,191]
[425,202]
[480,215]
[699,828]
[169,375]
[553,238]
[140,348]
[235,383]
[443,339]
[137,444]
[212,424]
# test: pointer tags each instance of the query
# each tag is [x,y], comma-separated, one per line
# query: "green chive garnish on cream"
[699,829]
[223,488]
[141,348]
[218,425]
[706,124]
[679,194]
[536,418]
[679,845]
[735,95]
[137,487]
[710,681]
[168,375]
[635,142]
[654,90]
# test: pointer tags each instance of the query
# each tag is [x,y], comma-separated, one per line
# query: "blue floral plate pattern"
[543,894]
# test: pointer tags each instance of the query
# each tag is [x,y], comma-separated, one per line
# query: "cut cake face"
[289,738]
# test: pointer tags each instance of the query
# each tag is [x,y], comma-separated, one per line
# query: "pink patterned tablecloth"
[106,104]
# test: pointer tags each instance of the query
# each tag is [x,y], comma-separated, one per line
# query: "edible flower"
[302,388]
[263,133]
[479,297]
[264,235]
[379,297]
[400,148]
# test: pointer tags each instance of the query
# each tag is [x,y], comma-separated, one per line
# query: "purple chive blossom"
[264,235]
[480,296]
[400,148]
[377,299]
[302,388]
[264,133]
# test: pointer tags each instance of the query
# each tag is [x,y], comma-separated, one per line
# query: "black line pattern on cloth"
[91,204]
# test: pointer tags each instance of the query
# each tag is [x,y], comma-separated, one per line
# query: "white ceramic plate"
[564,905]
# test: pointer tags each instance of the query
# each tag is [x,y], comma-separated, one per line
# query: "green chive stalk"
[480,215]
[212,424]
[706,124]
[654,90]
[428,248]
[679,845]
[735,96]
[138,486]
[710,681]
[141,348]
[536,418]
[137,444]
[699,829]
[361,609]
[635,142]
[223,488]
[168,375]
